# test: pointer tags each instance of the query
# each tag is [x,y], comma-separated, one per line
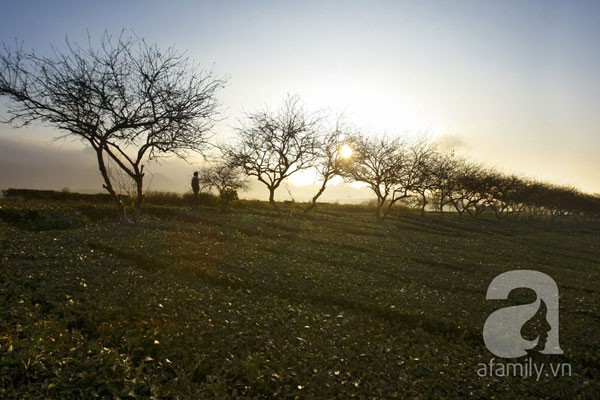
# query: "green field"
[251,303]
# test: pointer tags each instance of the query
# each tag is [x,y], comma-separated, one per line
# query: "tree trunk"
[389,206]
[423,204]
[272,197]
[139,196]
[313,204]
[380,205]
[108,185]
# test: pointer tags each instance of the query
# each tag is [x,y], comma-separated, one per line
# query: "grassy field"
[249,303]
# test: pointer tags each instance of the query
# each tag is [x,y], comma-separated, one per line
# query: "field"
[251,303]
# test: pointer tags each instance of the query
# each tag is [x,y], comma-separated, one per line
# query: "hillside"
[249,303]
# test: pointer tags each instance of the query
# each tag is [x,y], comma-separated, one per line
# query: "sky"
[512,84]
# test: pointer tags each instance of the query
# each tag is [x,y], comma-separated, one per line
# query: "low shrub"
[56,195]
[164,198]
[42,219]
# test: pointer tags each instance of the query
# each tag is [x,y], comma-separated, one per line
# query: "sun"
[346,151]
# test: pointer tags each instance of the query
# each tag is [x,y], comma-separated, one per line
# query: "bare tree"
[329,159]
[420,170]
[442,168]
[470,188]
[380,163]
[459,183]
[223,177]
[273,145]
[128,100]
[504,194]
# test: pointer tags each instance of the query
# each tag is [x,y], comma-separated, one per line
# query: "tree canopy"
[128,100]
[274,144]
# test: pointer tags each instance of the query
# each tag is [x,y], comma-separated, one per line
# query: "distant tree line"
[132,102]
[274,144]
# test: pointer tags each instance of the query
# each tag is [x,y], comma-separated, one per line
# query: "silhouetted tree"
[443,170]
[130,101]
[589,204]
[273,145]
[328,160]
[423,159]
[226,179]
[560,201]
[471,188]
[533,195]
[388,168]
[504,193]
[465,186]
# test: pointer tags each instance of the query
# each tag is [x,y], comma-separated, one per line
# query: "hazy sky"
[515,84]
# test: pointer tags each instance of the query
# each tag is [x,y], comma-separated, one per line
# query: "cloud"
[27,165]
[35,165]
[453,141]
[52,166]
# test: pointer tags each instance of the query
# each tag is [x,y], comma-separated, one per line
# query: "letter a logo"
[502,329]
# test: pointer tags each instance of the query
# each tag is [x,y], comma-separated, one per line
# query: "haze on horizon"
[512,84]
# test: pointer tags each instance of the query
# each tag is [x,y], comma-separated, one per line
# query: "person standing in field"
[195,186]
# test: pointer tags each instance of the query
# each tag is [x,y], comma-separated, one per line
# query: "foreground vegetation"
[254,303]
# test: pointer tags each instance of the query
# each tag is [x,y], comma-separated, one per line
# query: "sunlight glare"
[346,151]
